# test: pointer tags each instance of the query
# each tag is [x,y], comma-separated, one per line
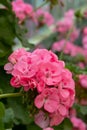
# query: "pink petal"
[41,120]
[62,109]
[64,93]
[8,67]
[39,101]
[50,105]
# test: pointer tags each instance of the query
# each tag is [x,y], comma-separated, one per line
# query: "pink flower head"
[74,35]
[78,123]
[51,84]
[22,10]
[83,102]
[83,80]
[81,65]
[48,99]
[85,14]
[44,17]
[69,14]
[41,119]
[85,31]
[84,41]
[64,25]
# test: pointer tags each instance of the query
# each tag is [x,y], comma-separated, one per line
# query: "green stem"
[67,37]
[10,95]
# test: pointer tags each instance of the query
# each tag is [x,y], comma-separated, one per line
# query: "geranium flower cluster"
[78,124]
[84,39]
[41,70]
[83,80]
[43,17]
[69,48]
[22,10]
[66,23]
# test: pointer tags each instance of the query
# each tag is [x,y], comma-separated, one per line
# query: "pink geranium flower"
[43,17]
[48,99]
[78,123]
[41,119]
[83,80]
[22,10]
[45,76]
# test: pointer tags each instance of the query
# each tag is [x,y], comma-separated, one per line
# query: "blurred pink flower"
[78,123]
[85,31]
[74,35]
[81,65]
[69,14]
[83,80]
[84,42]
[22,10]
[41,119]
[64,25]
[43,17]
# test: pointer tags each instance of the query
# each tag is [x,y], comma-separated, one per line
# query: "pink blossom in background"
[44,17]
[81,65]
[43,72]
[83,80]
[64,25]
[84,42]
[41,119]
[69,14]
[85,31]
[78,123]
[83,101]
[22,10]
[85,14]
[68,48]
[74,35]
[72,113]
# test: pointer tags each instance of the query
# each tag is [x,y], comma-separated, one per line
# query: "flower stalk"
[7,95]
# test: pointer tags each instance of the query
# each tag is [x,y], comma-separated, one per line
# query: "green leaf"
[5,2]
[7,34]
[1,125]
[67,124]
[5,82]
[81,109]
[3,50]
[33,126]
[8,118]
[20,111]
[2,110]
